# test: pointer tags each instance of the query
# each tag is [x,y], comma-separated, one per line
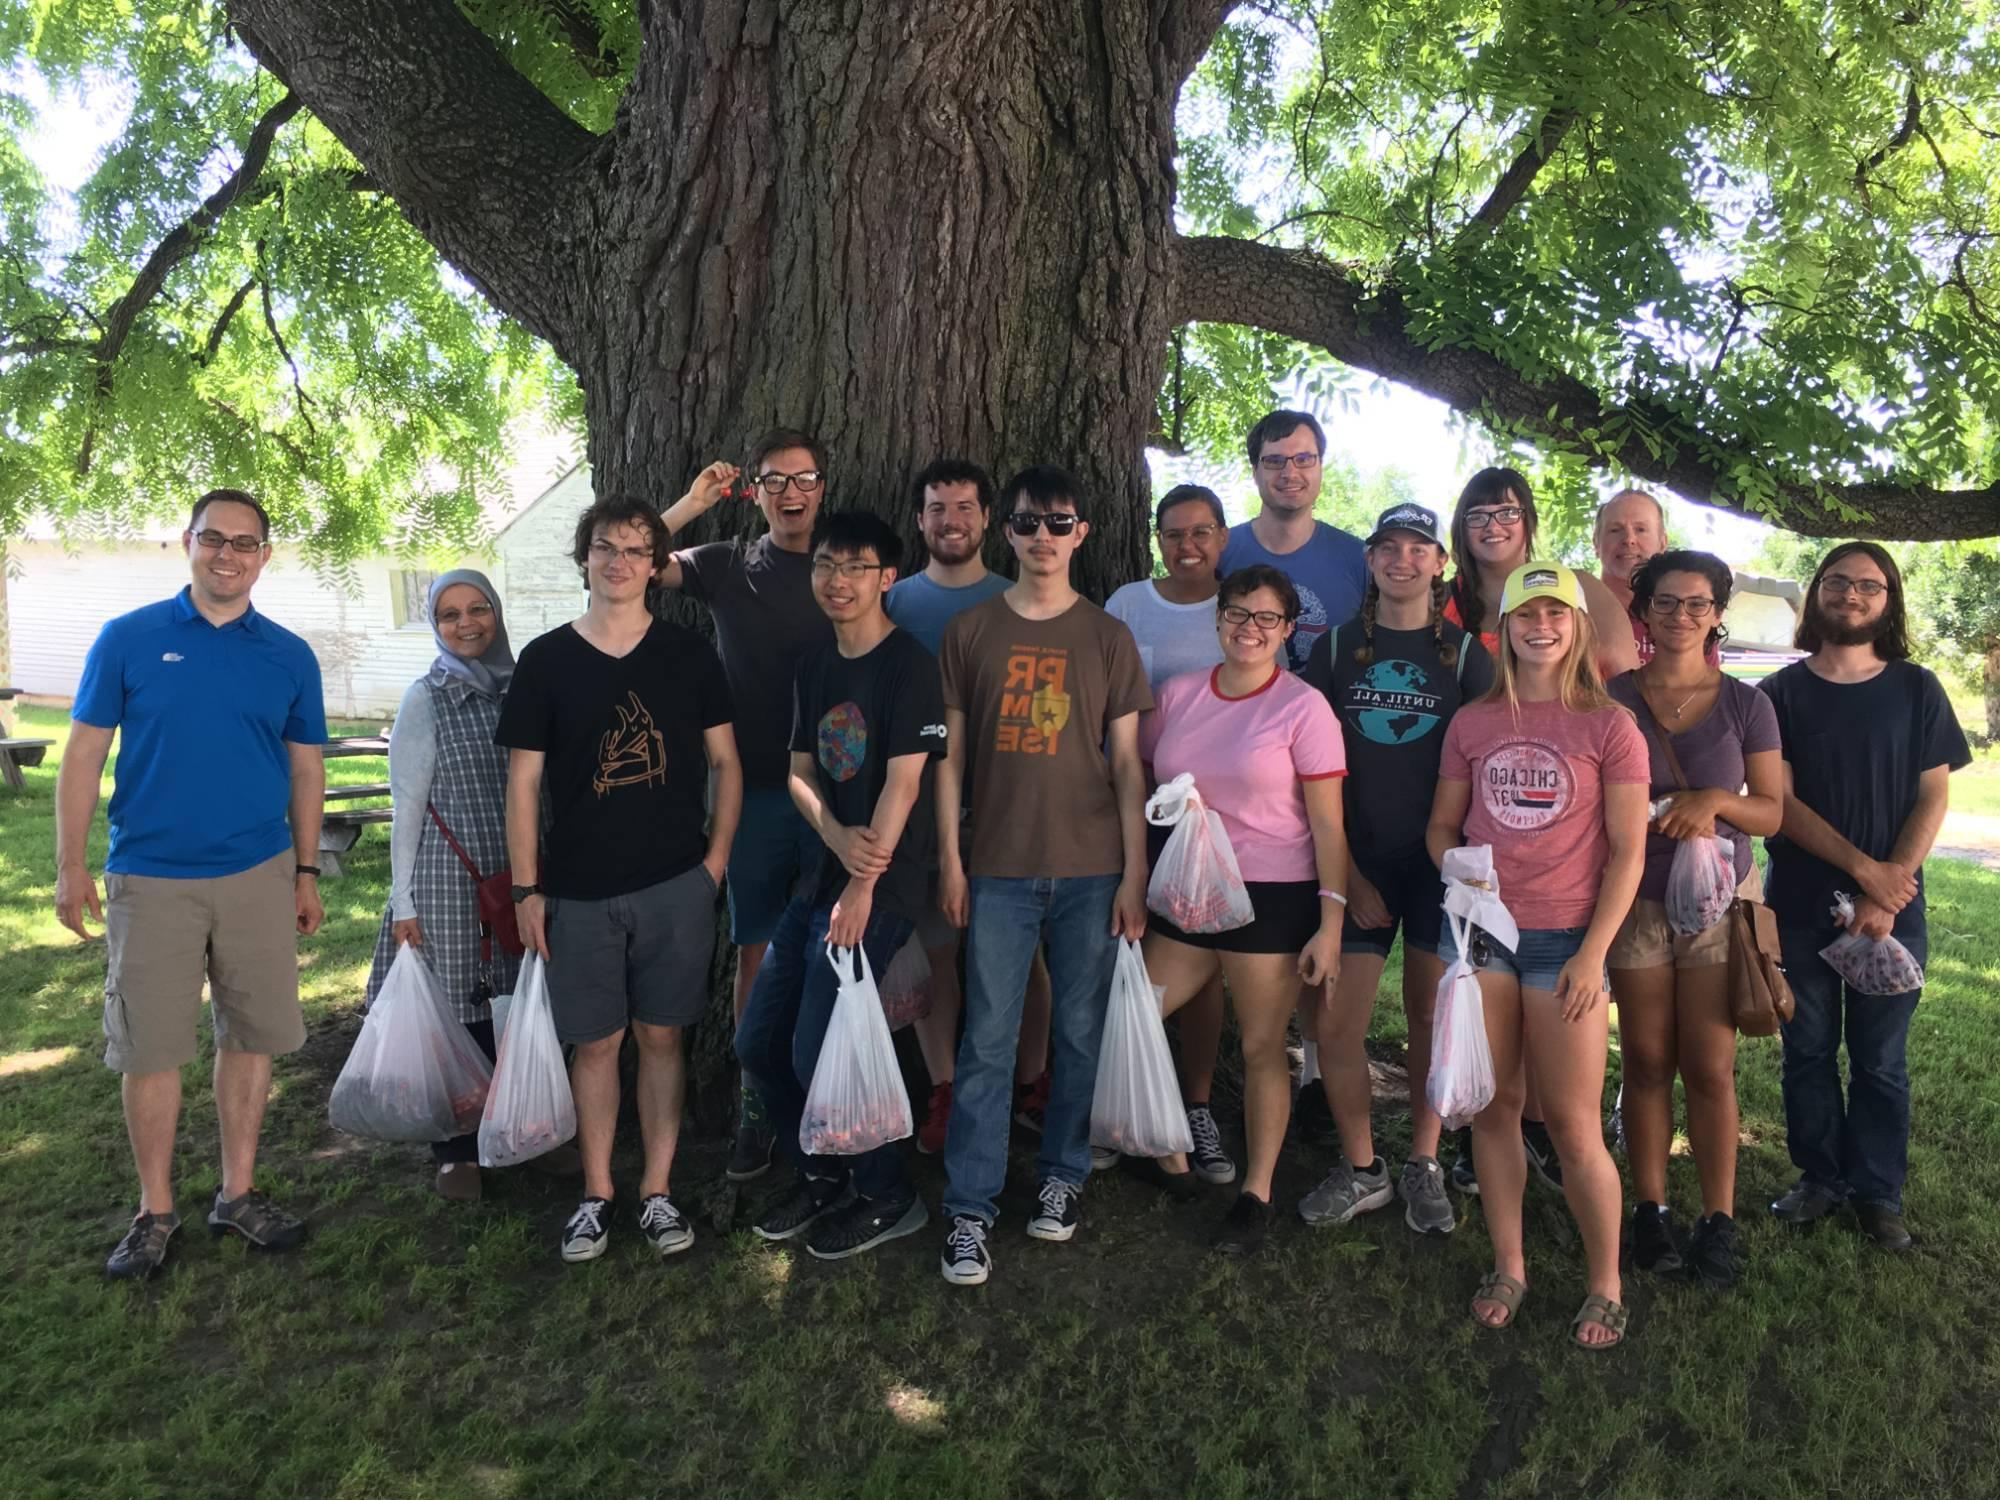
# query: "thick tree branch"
[1187,28]
[1519,177]
[1307,297]
[486,168]
[229,312]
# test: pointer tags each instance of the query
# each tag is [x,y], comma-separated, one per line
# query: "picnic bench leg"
[329,865]
[12,771]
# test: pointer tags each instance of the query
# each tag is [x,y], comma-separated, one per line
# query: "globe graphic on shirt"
[1410,715]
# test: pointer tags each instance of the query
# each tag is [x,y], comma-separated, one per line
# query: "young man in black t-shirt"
[622,717]
[1869,742]
[867,724]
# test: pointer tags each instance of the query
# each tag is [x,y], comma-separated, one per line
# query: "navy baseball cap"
[1408,517]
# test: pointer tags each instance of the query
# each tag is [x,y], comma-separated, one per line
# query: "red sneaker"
[937,1120]
[1032,1104]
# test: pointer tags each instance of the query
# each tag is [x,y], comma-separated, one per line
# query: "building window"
[408,593]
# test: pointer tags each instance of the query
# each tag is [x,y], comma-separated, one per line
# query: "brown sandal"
[1499,1288]
[1603,1312]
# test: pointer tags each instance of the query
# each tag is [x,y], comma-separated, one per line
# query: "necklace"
[1700,688]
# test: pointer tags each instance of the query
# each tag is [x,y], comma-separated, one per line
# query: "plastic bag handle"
[1172,802]
[858,951]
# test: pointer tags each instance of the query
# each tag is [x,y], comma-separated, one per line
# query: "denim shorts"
[775,855]
[1536,962]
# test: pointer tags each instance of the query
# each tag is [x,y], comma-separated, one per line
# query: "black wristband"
[298,870]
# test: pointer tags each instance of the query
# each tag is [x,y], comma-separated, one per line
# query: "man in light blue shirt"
[215,821]
[1327,566]
[954,498]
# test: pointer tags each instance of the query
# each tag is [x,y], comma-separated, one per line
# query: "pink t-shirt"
[1538,798]
[1249,757]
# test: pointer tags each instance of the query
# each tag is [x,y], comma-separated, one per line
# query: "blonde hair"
[1579,686]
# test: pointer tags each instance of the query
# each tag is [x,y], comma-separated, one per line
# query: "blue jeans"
[1858,1147]
[784,1024]
[1072,917]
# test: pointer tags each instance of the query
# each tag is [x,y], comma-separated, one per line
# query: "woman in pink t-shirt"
[1265,750]
[1551,774]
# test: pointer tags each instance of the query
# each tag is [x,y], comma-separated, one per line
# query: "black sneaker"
[1655,1246]
[257,1219]
[1884,1226]
[864,1224]
[750,1157]
[143,1251]
[587,1236]
[665,1227]
[1056,1217]
[1805,1203]
[1183,1186]
[1312,1117]
[1210,1162]
[1464,1175]
[965,1261]
[1243,1227]
[1541,1151]
[1711,1254]
[790,1214]
[1031,1104]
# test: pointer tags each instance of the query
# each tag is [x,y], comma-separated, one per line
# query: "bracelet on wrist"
[1333,896]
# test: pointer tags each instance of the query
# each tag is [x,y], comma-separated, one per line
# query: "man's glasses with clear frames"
[215,541]
[638,557]
[1840,585]
[853,569]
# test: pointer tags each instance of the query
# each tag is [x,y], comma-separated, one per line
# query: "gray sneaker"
[1346,1193]
[257,1219]
[1426,1209]
[1210,1162]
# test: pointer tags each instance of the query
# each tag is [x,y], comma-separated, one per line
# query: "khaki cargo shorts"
[165,936]
[1645,940]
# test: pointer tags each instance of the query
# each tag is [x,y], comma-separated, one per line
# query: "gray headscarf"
[492,669]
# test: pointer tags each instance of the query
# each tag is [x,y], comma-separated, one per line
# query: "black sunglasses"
[1028,522]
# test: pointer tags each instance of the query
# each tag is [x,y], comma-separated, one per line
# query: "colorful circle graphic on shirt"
[1308,628]
[1393,703]
[843,741]
[1527,784]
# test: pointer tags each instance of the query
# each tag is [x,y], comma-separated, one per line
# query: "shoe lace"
[659,1212]
[1207,1139]
[967,1239]
[1057,1195]
[588,1218]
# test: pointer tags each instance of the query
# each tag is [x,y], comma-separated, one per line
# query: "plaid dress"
[468,789]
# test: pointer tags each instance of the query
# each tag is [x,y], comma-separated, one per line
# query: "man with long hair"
[1869,740]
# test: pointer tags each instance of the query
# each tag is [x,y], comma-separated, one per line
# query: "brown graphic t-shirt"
[1038,697]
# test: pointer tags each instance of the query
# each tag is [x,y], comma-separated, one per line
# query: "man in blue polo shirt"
[215,817]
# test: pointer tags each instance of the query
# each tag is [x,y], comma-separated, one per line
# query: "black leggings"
[466,1147]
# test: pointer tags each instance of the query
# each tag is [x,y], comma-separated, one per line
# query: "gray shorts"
[637,957]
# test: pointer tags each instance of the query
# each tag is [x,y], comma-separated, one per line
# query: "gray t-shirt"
[765,619]
[1173,638]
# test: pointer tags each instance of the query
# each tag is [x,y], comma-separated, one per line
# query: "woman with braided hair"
[1395,675]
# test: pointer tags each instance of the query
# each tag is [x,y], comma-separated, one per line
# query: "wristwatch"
[523,892]
[298,870]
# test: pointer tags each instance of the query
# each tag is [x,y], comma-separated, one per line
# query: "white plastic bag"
[529,1111]
[906,985]
[857,1100]
[415,1073]
[1700,885]
[1136,1107]
[1461,1078]
[1872,966]
[1472,891]
[1196,884]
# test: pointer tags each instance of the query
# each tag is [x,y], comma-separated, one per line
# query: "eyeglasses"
[1838,584]
[1028,522]
[215,541]
[1267,619]
[1499,515]
[1277,462]
[641,557]
[806,482]
[472,612]
[853,568]
[1665,605]
[1196,534]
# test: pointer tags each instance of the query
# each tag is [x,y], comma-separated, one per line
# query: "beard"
[954,549]
[1836,632]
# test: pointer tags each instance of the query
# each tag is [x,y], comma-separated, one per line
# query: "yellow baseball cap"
[1542,580]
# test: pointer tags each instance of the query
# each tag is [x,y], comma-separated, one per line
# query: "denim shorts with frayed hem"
[1536,962]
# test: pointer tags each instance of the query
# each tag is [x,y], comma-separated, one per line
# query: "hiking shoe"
[1183,1186]
[1057,1216]
[1243,1228]
[790,1214]
[1884,1225]
[1312,1117]
[937,1121]
[1464,1175]
[1031,1104]
[1655,1245]
[1805,1203]
[665,1227]
[1711,1253]
[1104,1158]
[864,1224]
[143,1251]
[1210,1162]
[1426,1205]
[458,1181]
[750,1156]
[1345,1193]
[1542,1159]
[966,1261]
[586,1236]
[257,1219]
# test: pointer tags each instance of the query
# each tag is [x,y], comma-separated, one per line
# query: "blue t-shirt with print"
[1330,572]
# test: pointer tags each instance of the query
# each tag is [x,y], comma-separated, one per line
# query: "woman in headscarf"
[442,758]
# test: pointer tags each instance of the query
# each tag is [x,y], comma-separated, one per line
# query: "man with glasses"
[1869,741]
[867,724]
[619,719]
[215,819]
[1043,693]
[760,594]
[1327,566]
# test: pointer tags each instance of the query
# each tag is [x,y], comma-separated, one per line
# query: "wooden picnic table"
[16,753]
[355,744]
[341,828]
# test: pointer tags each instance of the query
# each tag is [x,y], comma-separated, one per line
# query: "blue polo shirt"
[204,781]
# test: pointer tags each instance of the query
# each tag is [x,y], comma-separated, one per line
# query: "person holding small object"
[1550,773]
[1265,753]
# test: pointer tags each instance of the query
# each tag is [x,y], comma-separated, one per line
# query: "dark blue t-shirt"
[204,779]
[1330,573]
